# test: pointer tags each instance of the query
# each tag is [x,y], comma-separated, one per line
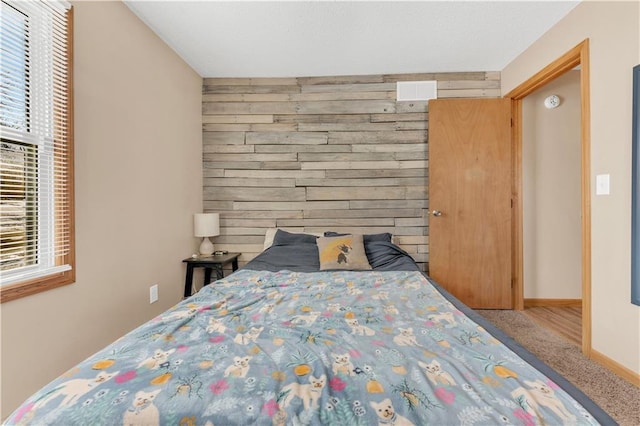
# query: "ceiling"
[325,38]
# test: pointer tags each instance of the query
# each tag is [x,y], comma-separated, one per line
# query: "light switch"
[602,185]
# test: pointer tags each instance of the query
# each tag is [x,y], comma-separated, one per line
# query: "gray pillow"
[368,238]
[283,238]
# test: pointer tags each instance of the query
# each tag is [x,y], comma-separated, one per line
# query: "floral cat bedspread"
[342,348]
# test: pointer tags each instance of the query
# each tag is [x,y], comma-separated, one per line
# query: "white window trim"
[40,135]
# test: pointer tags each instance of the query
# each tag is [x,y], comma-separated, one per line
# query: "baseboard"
[565,303]
[619,369]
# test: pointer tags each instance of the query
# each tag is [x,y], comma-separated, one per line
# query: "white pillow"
[268,237]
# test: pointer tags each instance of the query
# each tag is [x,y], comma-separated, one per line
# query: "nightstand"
[209,263]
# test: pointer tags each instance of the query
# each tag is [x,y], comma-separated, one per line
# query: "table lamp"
[206,225]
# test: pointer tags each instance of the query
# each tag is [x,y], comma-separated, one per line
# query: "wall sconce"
[206,225]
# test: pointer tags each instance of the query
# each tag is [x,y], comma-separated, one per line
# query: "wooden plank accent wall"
[322,153]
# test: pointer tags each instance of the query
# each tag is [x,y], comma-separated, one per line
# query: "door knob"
[436,213]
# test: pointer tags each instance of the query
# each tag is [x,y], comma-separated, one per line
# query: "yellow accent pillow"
[342,252]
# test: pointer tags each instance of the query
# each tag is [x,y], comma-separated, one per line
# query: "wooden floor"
[566,321]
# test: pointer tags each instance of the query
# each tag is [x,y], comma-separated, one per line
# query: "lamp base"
[206,247]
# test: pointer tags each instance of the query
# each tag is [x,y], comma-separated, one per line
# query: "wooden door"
[470,193]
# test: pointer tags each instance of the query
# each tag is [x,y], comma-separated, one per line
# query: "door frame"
[577,56]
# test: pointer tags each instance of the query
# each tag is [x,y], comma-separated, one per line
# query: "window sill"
[36,285]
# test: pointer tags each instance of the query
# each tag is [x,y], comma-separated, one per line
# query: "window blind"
[34,147]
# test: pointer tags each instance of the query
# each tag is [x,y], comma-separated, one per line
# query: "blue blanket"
[342,348]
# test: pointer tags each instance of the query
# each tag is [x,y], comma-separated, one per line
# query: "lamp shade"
[206,224]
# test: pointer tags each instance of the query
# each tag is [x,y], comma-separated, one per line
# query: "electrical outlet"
[153,293]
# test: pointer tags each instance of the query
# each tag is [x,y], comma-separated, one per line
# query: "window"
[36,147]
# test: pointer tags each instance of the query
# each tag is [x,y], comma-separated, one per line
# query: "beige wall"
[551,191]
[138,145]
[322,153]
[613,29]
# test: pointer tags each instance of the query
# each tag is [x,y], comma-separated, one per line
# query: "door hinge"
[512,203]
[511,120]
[513,282]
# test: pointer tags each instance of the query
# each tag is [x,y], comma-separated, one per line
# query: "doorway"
[578,56]
[551,205]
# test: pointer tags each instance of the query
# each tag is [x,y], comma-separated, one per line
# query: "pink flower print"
[218,387]
[354,353]
[270,407]
[470,377]
[377,342]
[22,411]
[183,348]
[327,314]
[444,395]
[526,418]
[255,317]
[388,317]
[125,377]
[337,384]
[552,385]
[216,339]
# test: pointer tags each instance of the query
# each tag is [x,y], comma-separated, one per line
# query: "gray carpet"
[619,398]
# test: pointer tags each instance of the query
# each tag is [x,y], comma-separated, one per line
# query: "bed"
[292,339]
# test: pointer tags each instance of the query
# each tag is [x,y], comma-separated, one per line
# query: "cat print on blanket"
[269,348]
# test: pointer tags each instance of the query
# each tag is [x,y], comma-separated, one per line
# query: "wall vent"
[416,90]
